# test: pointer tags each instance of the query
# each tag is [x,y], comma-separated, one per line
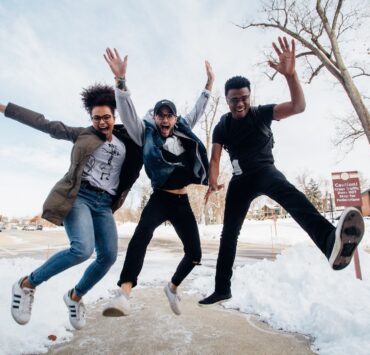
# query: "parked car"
[29,227]
[39,227]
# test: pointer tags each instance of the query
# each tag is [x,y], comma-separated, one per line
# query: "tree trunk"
[358,103]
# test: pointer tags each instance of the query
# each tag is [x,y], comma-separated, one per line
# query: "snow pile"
[299,292]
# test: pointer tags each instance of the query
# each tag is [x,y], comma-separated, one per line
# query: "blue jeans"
[88,224]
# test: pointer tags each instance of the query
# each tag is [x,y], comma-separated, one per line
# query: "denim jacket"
[144,133]
[157,168]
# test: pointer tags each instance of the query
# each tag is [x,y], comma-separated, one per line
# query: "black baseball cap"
[167,103]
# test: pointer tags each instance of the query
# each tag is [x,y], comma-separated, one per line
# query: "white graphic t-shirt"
[104,166]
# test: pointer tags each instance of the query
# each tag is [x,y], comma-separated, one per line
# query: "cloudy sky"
[51,50]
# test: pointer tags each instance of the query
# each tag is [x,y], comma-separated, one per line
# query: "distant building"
[267,211]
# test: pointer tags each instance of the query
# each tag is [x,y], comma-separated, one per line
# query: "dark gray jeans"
[163,206]
[241,192]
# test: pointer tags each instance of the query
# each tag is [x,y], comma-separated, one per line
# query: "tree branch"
[336,14]
[321,48]
[348,132]
[271,77]
[319,30]
[328,64]
[303,54]
[315,73]
[362,72]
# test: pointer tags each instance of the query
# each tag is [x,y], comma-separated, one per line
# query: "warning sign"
[347,190]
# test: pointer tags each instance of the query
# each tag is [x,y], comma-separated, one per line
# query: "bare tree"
[213,211]
[320,29]
[302,179]
[208,122]
[364,182]
[348,130]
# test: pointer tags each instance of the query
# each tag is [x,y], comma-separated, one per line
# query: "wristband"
[121,83]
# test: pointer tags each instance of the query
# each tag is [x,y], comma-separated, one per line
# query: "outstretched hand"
[2,108]
[211,189]
[115,62]
[286,64]
[210,75]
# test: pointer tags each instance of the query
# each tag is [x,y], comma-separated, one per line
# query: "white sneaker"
[348,234]
[22,300]
[77,311]
[173,298]
[118,306]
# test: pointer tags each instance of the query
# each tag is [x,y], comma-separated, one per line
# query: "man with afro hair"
[105,163]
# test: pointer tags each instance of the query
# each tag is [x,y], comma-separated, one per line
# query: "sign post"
[347,193]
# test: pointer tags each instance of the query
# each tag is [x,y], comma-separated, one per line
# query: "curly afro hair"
[98,95]
[237,82]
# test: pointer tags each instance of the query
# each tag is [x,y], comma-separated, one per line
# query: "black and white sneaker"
[77,311]
[22,300]
[214,298]
[348,235]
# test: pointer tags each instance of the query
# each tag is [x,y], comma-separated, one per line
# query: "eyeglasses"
[105,118]
[161,116]
[235,100]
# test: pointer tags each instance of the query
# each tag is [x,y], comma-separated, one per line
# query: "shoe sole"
[213,304]
[346,244]
[113,312]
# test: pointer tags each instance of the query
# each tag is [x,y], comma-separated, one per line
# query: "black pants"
[242,190]
[163,206]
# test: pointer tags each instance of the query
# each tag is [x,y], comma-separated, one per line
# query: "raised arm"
[214,171]
[126,109]
[286,67]
[196,113]
[56,129]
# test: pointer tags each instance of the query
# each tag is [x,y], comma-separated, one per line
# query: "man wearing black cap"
[173,158]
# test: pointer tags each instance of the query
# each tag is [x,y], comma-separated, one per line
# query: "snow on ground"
[298,292]
[49,314]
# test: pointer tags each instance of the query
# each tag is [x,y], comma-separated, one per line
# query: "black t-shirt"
[249,140]
[182,175]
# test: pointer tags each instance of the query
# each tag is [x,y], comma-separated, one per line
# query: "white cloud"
[36,159]
[23,194]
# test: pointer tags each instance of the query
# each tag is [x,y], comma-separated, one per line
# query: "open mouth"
[165,129]
[239,112]
[103,130]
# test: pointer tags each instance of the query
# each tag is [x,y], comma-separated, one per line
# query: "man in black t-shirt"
[245,132]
